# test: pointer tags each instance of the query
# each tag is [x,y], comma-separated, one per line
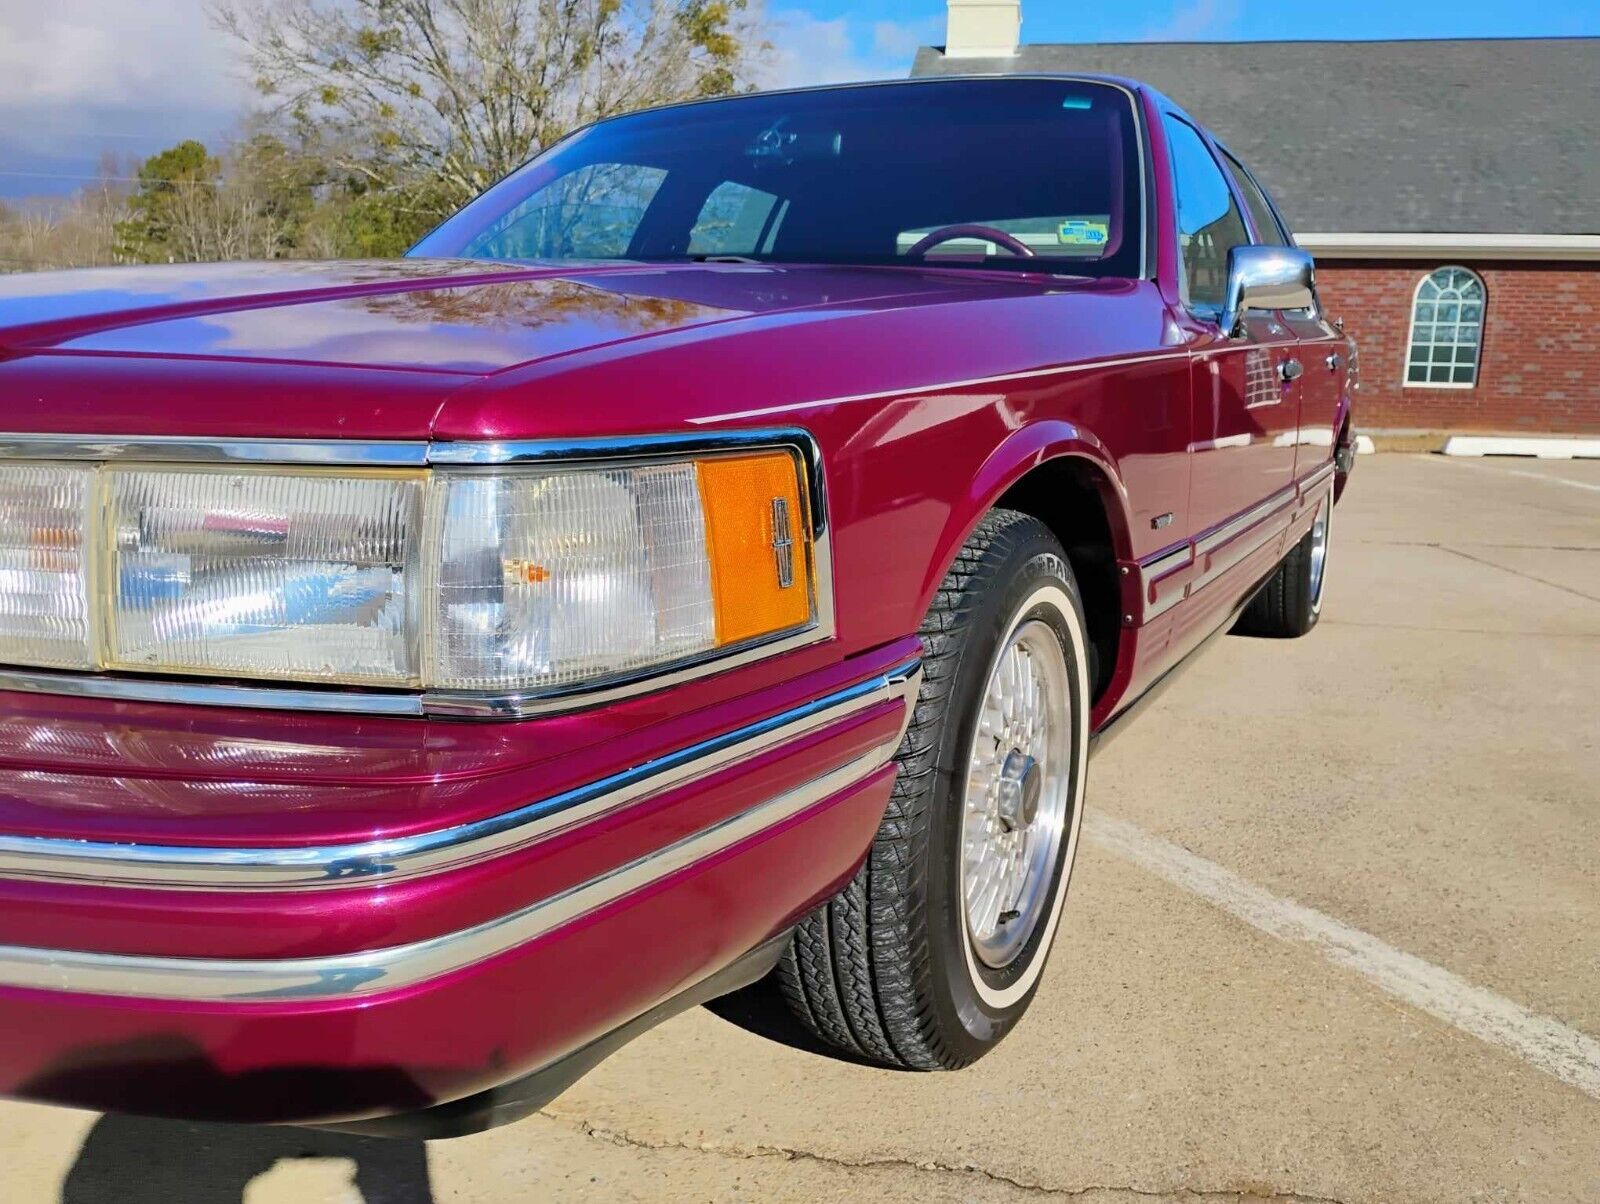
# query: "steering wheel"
[970,230]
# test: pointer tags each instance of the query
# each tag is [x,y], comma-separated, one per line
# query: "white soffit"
[1452,246]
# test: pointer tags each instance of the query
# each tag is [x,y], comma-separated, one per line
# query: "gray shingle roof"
[1488,136]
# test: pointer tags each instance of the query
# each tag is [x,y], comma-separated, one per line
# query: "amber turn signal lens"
[756,529]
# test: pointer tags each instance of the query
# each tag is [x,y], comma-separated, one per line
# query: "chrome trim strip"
[375,453]
[1248,539]
[1236,526]
[464,456]
[381,862]
[1177,354]
[343,977]
[449,704]
[1152,571]
[1165,563]
[1310,483]
[199,693]
[524,451]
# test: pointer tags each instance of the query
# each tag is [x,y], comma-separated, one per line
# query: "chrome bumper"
[380,862]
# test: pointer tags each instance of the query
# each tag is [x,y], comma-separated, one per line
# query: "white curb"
[1510,445]
[1365,446]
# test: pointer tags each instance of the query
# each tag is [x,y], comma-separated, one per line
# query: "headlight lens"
[44,565]
[302,576]
[517,580]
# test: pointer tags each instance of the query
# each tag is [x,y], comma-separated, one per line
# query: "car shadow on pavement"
[133,1160]
[759,1009]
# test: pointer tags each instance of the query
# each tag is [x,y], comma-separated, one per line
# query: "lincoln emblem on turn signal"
[783,542]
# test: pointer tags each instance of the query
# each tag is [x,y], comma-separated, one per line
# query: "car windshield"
[1022,173]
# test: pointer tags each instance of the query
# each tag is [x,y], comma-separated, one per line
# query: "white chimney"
[983,29]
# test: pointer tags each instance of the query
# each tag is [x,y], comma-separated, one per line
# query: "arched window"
[1446,330]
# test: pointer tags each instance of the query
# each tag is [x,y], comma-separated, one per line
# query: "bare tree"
[222,222]
[463,91]
[77,233]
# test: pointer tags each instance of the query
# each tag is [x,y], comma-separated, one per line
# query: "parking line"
[1591,486]
[1539,476]
[1541,1041]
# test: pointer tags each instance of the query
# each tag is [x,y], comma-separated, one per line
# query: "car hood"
[445,316]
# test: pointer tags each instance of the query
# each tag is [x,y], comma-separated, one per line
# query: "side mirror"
[1266,278]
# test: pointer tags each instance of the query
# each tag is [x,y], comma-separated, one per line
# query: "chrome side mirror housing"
[1266,278]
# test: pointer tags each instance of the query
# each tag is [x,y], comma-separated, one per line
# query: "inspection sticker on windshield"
[1083,232]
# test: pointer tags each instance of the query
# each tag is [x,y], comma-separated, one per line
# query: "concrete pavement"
[1398,1000]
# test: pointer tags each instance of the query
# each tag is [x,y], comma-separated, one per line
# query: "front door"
[1321,347]
[1246,414]
[1244,397]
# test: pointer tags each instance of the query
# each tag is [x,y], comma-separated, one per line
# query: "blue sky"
[1244,20]
[82,77]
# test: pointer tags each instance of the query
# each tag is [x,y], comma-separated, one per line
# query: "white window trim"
[1411,333]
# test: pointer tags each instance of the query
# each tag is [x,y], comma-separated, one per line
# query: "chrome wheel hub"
[1319,551]
[1019,790]
[1017,798]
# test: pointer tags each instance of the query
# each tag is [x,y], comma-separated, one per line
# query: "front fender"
[1021,452]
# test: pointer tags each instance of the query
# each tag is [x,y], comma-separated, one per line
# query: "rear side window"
[735,220]
[1209,223]
[1268,229]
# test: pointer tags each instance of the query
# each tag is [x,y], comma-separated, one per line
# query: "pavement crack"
[1252,1194]
[1478,543]
[1566,589]
[1556,635]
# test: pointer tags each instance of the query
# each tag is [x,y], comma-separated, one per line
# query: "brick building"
[1450,191]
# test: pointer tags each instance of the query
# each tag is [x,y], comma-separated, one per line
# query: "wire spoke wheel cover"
[1018,793]
[932,953]
[1321,531]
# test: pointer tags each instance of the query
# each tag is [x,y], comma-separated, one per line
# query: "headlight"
[44,565]
[254,573]
[519,580]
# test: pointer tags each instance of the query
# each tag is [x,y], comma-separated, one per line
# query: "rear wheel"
[934,950]
[1290,603]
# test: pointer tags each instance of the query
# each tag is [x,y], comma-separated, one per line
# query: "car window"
[1268,230]
[1209,223]
[850,175]
[591,213]
[735,220]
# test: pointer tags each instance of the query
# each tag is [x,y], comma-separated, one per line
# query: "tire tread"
[858,971]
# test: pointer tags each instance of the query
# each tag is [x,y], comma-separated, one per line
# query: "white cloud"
[79,78]
[806,50]
[83,77]
[144,54]
[901,39]
[1196,20]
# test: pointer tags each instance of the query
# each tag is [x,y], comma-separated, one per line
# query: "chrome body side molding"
[1176,574]
[377,862]
[342,977]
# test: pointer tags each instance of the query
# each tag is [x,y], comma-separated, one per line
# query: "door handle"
[1333,361]
[1290,370]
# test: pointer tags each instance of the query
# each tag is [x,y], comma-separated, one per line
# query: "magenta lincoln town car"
[715,552]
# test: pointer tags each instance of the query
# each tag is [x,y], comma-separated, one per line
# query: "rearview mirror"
[1266,278]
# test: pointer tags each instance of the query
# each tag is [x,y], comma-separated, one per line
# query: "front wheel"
[935,949]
